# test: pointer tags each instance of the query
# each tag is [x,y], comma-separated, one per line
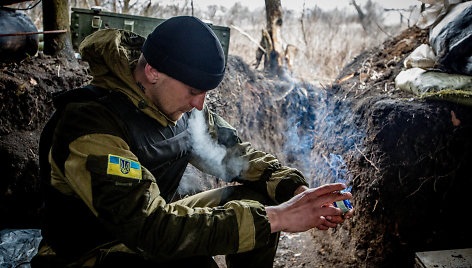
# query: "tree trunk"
[274,24]
[361,16]
[56,17]
[125,9]
[147,9]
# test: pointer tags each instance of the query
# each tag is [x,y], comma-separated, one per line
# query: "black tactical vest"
[68,224]
[164,151]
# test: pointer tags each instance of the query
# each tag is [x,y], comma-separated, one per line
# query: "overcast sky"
[298,4]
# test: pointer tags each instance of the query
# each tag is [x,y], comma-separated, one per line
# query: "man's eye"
[195,92]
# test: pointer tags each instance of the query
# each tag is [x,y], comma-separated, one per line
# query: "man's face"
[174,98]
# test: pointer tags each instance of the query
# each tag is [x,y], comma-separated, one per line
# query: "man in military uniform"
[114,152]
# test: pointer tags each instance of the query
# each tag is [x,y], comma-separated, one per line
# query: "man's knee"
[221,196]
[241,192]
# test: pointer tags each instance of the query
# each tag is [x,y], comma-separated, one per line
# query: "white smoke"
[211,157]
[210,153]
[320,132]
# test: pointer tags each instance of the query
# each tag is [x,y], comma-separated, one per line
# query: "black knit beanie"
[186,49]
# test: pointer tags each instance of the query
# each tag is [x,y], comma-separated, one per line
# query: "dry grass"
[328,41]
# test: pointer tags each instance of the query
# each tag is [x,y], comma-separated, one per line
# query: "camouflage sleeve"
[241,162]
[126,197]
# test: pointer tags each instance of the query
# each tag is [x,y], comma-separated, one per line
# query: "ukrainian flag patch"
[123,167]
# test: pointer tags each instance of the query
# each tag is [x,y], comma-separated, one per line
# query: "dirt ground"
[409,168]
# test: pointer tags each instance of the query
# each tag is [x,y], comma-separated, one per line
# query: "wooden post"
[56,17]
[274,53]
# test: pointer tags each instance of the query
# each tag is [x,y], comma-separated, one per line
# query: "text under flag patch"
[123,167]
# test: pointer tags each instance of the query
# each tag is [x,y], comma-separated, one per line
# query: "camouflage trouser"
[262,257]
[114,256]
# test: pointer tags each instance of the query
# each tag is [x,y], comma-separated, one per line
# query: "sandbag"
[422,57]
[431,84]
[16,48]
[451,40]
[435,11]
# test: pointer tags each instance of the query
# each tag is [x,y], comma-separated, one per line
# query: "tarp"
[18,247]
[451,40]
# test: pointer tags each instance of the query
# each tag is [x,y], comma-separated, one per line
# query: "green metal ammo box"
[87,21]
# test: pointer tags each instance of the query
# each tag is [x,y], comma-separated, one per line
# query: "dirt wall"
[25,96]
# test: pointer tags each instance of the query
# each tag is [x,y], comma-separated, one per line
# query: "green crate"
[87,21]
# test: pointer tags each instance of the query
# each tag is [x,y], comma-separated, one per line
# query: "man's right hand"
[309,209]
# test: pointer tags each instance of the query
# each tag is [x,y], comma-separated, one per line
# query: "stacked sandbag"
[443,68]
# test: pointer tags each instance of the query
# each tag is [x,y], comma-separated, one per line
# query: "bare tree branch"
[303,25]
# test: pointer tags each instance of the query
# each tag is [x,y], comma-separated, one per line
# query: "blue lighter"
[344,205]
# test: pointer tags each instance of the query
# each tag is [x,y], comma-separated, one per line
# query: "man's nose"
[198,101]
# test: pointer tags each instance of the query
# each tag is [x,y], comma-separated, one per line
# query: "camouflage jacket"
[124,201]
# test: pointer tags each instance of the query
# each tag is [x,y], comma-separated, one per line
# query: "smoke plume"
[212,157]
[320,130]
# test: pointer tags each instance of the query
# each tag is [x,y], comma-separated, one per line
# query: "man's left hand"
[332,219]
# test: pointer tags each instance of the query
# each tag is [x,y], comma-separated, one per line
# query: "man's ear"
[151,74]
